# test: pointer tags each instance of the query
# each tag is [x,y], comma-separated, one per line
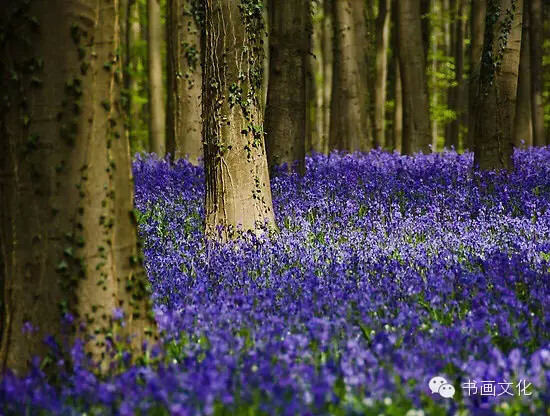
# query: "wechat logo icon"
[440,386]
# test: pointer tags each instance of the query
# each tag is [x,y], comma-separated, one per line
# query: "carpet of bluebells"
[386,271]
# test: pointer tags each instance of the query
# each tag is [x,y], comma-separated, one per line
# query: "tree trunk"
[382,43]
[416,108]
[134,36]
[157,123]
[434,98]
[287,102]
[425,9]
[66,235]
[398,110]
[236,175]
[456,92]
[498,85]
[315,59]
[397,133]
[311,66]
[523,126]
[266,55]
[449,8]
[477,29]
[364,24]
[349,113]
[537,40]
[183,119]
[328,37]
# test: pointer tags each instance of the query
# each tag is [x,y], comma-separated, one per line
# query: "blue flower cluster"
[386,271]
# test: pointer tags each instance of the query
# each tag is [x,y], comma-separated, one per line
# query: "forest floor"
[386,271]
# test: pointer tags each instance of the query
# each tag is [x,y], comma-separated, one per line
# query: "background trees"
[349,48]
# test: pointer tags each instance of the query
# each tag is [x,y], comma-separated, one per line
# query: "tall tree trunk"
[449,9]
[498,85]
[364,24]
[183,120]
[134,36]
[537,40]
[397,133]
[523,126]
[382,43]
[287,102]
[398,110]
[66,235]
[456,92]
[328,36]
[236,175]
[425,9]
[311,66]
[157,123]
[434,98]
[477,29]
[125,27]
[315,60]
[266,55]
[349,112]
[416,106]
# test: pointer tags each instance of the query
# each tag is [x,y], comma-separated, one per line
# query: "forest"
[275,207]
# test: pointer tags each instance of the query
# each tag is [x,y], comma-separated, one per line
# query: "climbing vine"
[492,56]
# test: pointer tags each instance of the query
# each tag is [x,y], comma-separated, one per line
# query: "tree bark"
[237,180]
[66,234]
[312,68]
[536,42]
[456,92]
[434,93]
[349,112]
[183,118]
[498,85]
[382,43]
[425,9]
[315,60]
[397,131]
[134,36]
[416,108]
[287,101]
[157,123]
[477,29]
[328,38]
[523,126]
